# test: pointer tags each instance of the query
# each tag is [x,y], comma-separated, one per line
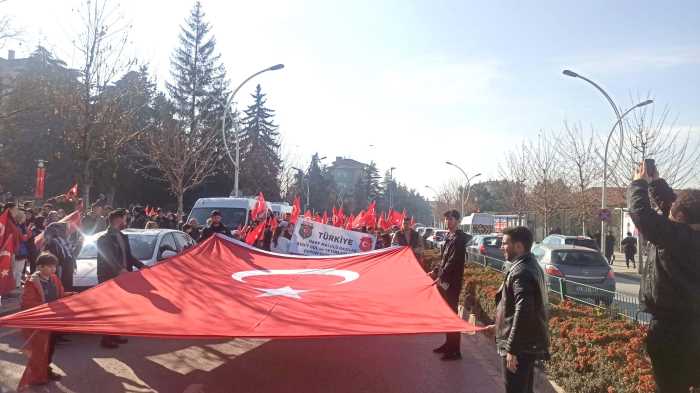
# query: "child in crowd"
[43,286]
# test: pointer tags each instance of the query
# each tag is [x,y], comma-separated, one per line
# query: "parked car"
[577,265]
[437,239]
[149,246]
[426,233]
[488,245]
[580,241]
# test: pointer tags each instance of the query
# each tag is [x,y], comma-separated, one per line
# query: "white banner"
[313,238]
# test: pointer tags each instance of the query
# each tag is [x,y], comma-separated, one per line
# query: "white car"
[147,245]
[437,239]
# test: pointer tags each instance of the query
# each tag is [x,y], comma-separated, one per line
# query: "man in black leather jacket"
[670,287]
[522,334]
[449,276]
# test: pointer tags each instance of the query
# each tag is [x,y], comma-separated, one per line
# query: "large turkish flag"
[223,288]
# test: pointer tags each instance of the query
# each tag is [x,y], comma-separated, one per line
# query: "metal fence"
[617,303]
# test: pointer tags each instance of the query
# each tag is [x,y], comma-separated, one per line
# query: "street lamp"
[469,187]
[227,107]
[433,208]
[391,185]
[308,187]
[620,117]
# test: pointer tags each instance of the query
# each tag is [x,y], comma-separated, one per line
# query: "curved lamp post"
[227,107]
[619,122]
[469,184]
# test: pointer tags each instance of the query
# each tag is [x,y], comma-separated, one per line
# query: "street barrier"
[617,303]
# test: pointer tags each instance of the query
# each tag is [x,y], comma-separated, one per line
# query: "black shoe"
[121,340]
[441,349]
[53,376]
[448,356]
[109,344]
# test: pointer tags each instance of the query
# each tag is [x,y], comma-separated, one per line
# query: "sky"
[412,84]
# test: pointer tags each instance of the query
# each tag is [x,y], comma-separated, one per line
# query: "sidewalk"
[621,269]
[10,303]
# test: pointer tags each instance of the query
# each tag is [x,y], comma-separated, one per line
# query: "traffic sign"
[604,214]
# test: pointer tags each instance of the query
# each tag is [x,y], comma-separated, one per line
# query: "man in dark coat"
[629,246]
[216,227]
[114,258]
[449,276]
[522,335]
[669,288]
[408,236]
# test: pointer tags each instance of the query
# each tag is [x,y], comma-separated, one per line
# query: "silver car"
[577,265]
[149,246]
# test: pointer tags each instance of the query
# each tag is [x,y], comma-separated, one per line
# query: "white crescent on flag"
[288,291]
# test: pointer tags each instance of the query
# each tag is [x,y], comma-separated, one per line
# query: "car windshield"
[440,235]
[578,258]
[492,242]
[582,242]
[230,216]
[142,246]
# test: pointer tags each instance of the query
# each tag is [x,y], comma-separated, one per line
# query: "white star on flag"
[284,291]
[5,273]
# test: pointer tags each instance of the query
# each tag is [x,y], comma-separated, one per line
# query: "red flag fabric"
[350,220]
[223,288]
[273,224]
[339,218]
[72,192]
[260,207]
[296,210]
[370,219]
[324,219]
[381,224]
[9,240]
[308,215]
[73,220]
[254,234]
[396,218]
[359,220]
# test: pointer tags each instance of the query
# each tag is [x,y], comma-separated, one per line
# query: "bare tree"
[7,29]
[183,160]
[101,43]
[650,133]
[581,164]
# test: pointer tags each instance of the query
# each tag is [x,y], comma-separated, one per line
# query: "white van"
[279,208]
[478,223]
[235,212]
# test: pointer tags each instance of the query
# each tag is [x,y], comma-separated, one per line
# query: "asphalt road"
[385,364]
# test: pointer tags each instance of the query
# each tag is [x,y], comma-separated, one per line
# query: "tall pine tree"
[367,188]
[198,90]
[261,163]
[198,77]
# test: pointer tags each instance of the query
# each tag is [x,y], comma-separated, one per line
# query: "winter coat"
[669,287]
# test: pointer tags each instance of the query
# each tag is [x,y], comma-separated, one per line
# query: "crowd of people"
[669,286]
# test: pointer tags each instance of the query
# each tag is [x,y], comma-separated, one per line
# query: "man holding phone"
[670,289]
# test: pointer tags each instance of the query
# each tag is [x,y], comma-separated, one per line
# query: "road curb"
[629,276]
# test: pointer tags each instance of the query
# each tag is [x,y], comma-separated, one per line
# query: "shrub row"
[592,352]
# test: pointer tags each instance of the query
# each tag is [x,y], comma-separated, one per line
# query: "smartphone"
[650,165]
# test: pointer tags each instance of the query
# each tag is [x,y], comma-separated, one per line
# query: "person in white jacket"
[281,239]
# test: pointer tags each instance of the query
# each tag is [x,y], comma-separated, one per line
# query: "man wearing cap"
[216,226]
